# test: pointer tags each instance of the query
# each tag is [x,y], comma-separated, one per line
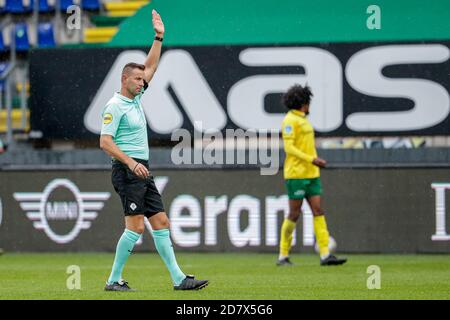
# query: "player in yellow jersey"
[302,175]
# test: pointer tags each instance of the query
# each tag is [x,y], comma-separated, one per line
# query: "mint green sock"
[165,250]
[123,250]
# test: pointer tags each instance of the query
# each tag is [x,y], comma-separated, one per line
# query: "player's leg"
[134,227]
[287,231]
[295,194]
[161,236]
[314,191]
[320,225]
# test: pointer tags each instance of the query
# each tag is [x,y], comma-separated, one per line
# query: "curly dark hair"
[297,96]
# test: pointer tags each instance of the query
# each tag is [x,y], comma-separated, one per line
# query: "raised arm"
[151,63]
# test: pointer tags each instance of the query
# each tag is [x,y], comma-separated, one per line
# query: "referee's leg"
[134,227]
[161,235]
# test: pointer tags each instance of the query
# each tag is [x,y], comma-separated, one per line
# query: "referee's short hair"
[297,96]
[131,66]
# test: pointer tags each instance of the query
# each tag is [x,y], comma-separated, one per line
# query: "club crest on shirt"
[288,130]
[107,118]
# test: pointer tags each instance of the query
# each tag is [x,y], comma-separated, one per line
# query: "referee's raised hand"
[157,22]
[140,170]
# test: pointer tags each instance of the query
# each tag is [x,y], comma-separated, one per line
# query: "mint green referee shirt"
[124,120]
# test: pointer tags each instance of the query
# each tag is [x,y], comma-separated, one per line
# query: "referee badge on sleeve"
[107,118]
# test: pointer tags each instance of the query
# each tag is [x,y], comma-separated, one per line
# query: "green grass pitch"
[233,276]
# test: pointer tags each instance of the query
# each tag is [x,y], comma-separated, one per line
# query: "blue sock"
[123,250]
[165,250]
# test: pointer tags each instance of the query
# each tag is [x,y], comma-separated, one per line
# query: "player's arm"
[152,60]
[290,148]
[107,144]
[289,136]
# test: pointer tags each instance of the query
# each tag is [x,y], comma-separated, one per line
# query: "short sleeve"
[287,129]
[110,119]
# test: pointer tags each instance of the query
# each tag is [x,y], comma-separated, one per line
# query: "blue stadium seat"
[16,6]
[64,4]
[21,36]
[46,38]
[44,7]
[3,67]
[90,5]
[3,48]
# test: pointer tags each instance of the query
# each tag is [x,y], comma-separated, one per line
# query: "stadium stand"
[46,38]
[123,9]
[30,24]
[99,34]
[21,37]
[45,7]
[65,4]
[91,5]
[3,67]
[106,24]
[16,120]
[16,7]
[3,47]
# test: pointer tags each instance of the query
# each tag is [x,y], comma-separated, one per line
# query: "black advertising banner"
[367,210]
[359,89]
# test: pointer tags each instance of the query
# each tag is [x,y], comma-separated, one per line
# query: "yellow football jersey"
[298,137]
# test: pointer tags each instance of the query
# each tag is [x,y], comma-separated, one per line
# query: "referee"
[124,138]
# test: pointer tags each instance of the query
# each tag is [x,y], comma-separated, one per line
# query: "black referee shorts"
[138,196]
